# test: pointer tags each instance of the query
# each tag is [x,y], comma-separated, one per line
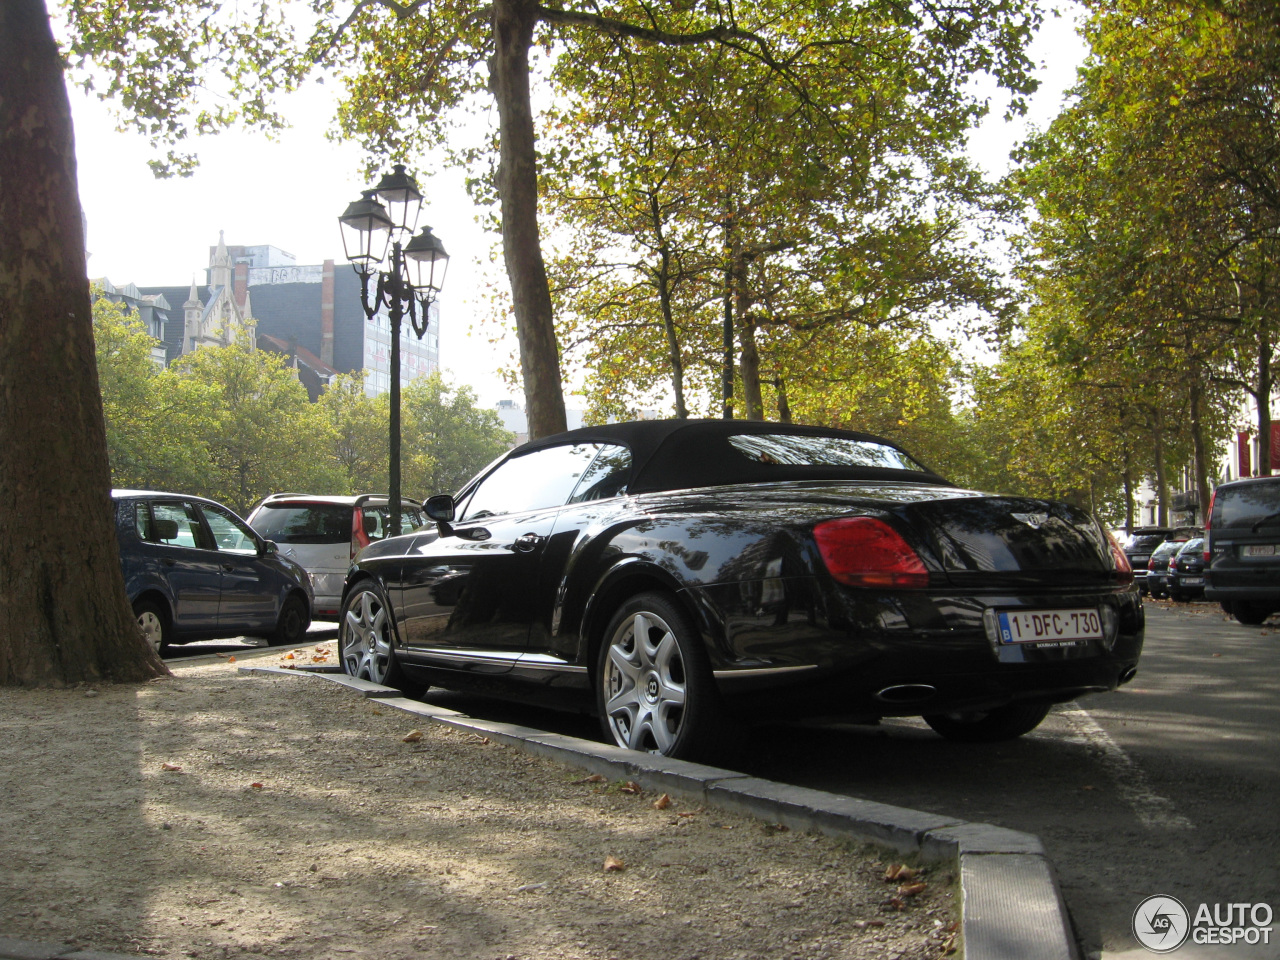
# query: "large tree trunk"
[1201,449]
[1162,479]
[513,22]
[1263,396]
[668,313]
[64,617]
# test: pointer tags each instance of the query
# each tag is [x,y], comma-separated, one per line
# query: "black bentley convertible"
[684,579]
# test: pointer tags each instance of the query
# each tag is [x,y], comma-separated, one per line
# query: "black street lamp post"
[409,284]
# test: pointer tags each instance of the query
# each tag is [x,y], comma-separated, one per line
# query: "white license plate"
[1260,550]
[1047,626]
[1192,581]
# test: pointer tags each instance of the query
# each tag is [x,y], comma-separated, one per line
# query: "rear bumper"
[910,655]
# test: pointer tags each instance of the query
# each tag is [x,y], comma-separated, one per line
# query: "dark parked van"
[1242,548]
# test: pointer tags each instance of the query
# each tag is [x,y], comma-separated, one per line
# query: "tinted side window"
[178,524]
[142,522]
[534,481]
[377,518]
[606,477]
[229,533]
[1249,505]
[304,522]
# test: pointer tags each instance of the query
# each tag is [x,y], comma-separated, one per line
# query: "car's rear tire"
[654,688]
[1252,614]
[364,642]
[989,726]
[1177,596]
[291,628]
[153,620]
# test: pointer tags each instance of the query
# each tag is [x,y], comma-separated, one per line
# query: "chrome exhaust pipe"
[906,693]
[1128,675]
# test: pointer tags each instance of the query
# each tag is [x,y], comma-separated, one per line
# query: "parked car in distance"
[1139,549]
[324,534]
[686,579]
[1242,548]
[1142,544]
[194,570]
[1157,579]
[1186,571]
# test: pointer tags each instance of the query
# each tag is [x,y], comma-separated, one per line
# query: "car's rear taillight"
[866,552]
[1124,570]
[359,539]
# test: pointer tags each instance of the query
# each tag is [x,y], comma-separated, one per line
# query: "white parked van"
[324,534]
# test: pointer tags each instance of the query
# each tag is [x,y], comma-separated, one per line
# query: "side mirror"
[268,548]
[440,508]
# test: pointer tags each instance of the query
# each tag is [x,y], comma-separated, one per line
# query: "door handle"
[228,567]
[169,561]
[528,543]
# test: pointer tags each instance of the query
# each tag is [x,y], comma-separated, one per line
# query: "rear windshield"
[1249,507]
[304,522]
[1142,542]
[807,451]
[1167,548]
[1191,546]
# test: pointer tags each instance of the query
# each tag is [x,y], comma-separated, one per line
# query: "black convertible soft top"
[679,454]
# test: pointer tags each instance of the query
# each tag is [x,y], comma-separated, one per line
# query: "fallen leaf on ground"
[377,712]
[662,802]
[1217,654]
[255,786]
[288,656]
[863,924]
[630,787]
[171,767]
[612,864]
[413,736]
[911,889]
[775,828]
[594,778]
[899,871]
[322,649]
[231,659]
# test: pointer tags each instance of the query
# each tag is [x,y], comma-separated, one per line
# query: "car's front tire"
[364,642]
[291,628]
[989,726]
[153,620]
[654,689]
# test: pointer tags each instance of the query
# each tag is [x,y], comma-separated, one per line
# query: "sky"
[288,192]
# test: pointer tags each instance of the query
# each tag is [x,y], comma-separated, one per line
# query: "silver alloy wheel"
[366,643]
[645,686]
[152,628]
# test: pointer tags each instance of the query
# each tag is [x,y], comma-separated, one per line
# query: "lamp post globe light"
[373,226]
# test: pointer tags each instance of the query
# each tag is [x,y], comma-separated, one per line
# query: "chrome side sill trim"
[510,658]
[760,671]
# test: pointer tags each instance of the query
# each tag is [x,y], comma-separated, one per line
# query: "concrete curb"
[1011,906]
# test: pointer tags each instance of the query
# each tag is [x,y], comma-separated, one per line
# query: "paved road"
[1170,785]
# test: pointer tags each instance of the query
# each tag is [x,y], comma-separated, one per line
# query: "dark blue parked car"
[194,570]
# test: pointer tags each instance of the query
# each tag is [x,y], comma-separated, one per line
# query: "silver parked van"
[324,534]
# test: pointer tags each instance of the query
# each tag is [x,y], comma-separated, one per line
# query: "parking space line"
[1153,811]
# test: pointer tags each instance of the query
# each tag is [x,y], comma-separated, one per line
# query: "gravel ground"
[216,814]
